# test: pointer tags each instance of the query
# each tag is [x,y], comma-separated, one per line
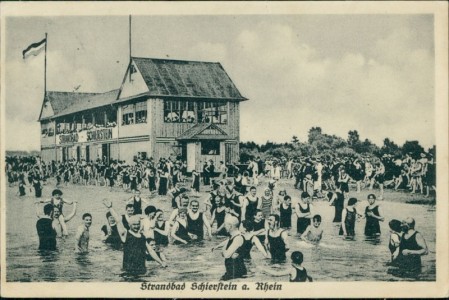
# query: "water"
[334,260]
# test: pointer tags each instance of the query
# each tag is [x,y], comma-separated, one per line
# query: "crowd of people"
[234,209]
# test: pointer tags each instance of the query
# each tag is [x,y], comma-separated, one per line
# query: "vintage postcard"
[224,149]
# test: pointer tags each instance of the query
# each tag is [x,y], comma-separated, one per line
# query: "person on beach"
[134,244]
[297,273]
[349,216]
[82,234]
[196,182]
[314,232]
[45,230]
[337,199]
[373,215]
[232,252]
[276,239]
[303,212]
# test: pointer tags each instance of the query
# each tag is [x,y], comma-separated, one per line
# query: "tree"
[295,140]
[353,138]
[389,147]
[413,148]
[314,132]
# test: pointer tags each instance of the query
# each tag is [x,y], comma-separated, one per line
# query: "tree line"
[326,145]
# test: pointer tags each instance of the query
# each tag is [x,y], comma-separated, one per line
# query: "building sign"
[99,134]
[83,136]
[68,138]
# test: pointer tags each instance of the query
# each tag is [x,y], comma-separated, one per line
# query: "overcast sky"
[372,73]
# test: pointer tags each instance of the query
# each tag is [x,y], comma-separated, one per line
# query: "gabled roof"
[64,103]
[204,131]
[179,78]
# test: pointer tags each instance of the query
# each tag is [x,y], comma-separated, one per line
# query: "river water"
[334,260]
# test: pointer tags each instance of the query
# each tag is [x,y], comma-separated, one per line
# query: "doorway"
[106,152]
[87,153]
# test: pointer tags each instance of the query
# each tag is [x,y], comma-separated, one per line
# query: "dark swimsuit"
[235,267]
[301,275]
[277,247]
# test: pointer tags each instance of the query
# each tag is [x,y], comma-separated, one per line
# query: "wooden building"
[164,108]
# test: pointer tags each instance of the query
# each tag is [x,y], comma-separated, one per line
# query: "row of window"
[195,112]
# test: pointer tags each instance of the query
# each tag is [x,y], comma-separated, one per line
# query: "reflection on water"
[334,259]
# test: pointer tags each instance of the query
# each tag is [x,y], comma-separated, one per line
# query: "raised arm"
[72,214]
[120,228]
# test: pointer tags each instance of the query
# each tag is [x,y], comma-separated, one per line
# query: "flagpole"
[45,66]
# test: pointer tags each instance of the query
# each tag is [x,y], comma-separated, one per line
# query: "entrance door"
[64,154]
[78,153]
[87,153]
[191,157]
[106,151]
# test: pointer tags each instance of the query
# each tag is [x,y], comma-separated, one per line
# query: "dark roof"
[186,79]
[204,131]
[64,103]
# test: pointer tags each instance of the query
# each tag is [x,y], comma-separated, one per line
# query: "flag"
[34,49]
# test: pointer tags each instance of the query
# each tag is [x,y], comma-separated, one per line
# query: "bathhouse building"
[164,108]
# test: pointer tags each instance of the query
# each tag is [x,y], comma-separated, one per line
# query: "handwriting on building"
[68,138]
[101,134]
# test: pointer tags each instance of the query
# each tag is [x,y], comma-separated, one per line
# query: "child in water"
[297,272]
[314,232]
[57,201]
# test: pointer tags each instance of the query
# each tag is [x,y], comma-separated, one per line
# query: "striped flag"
[34,49]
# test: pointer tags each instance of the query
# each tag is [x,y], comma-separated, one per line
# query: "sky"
[370,73]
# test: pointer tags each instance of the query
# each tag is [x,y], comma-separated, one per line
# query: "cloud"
[387,92]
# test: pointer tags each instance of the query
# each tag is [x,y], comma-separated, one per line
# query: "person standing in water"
[314,232]
[411,248]
[349,216]
[45,230]
[110,231]
[235,266]
[134,244]
[303,212]
[373,215]
[196,221]
[276,239]
[337,199]
[82,234]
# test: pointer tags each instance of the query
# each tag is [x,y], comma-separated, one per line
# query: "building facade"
[164,108]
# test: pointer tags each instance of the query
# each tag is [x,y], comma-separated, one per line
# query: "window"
[141,112]
[134,113]
[210,147]
[179,111]
[213,112]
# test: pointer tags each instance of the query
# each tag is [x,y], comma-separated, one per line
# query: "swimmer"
[135,246]
[161,229]
[349,216]
[155,253]
[82,234]
[373,215]
[297,272]
[276,239]
[179,231]
[235,266]
[196,221]
[395,239]
[147,224]
[314,232]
